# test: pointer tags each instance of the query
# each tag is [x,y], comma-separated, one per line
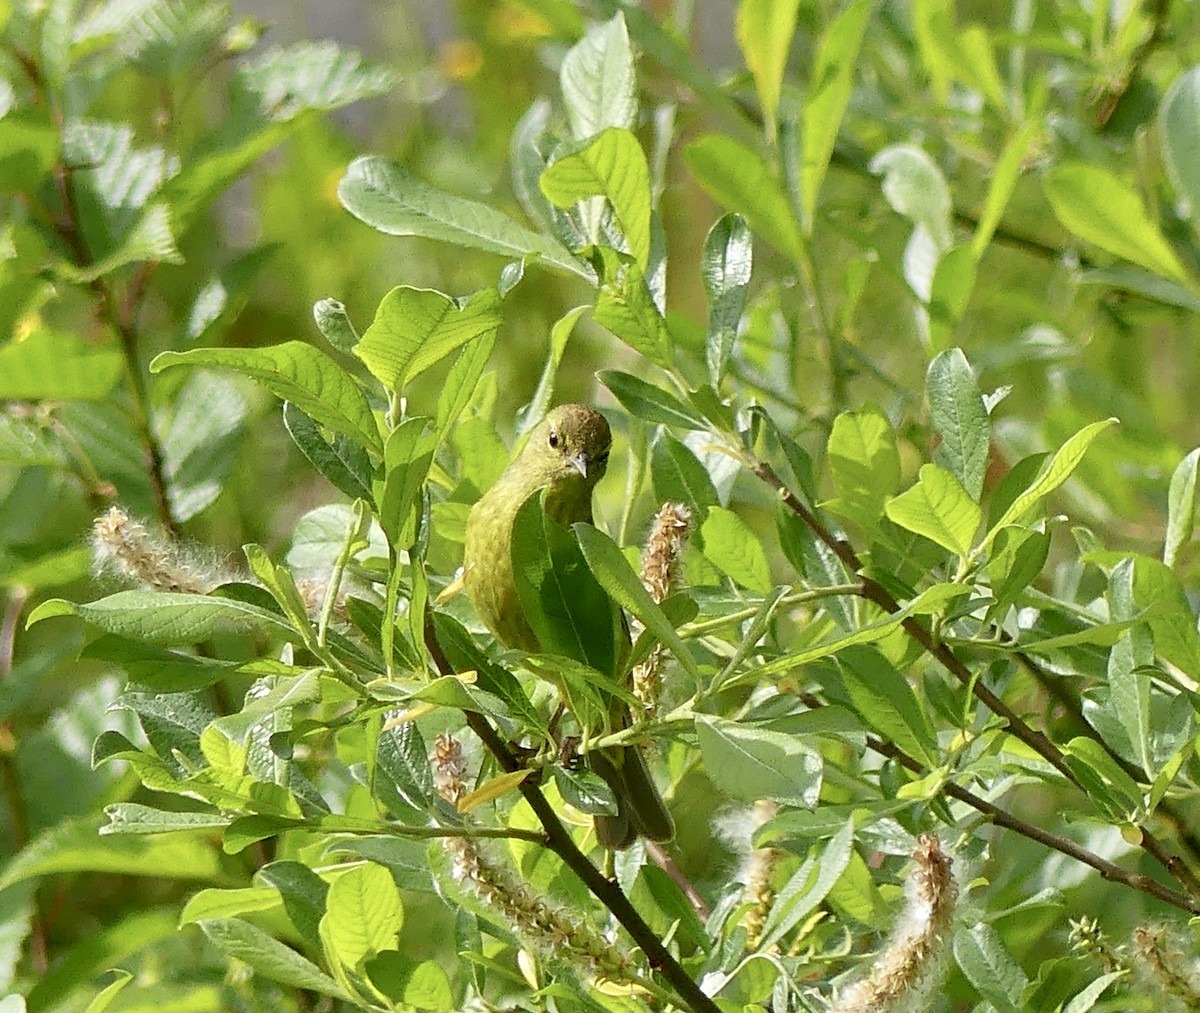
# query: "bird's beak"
[579,462]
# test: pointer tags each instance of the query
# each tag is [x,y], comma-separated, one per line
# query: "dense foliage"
[900,507]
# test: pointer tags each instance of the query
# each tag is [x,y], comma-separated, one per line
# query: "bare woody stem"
[1015,724]
[558,839]
[1063,845]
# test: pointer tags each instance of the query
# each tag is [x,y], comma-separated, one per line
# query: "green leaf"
[334,323]
[1172,621]
[1179,134]
[106,995]
[200,448]
[939,508]
[1181,507]
[55,365]
[303,893]
[980,953]
[76,846]
[450,691]
[387,198]
[613,166]
[226,294]
[204,177]
[135,818]
[415,328]
[286,81]
[213,903]
[932,599]
[297,372]
[735,550]
[462,381]
[677,476]
[646,401]
[764,35]
[407,458]
[1053,474]
[343,462]
[599,82]
[269,957]
[1005,175]
[949,293]
[626,307]
[167,617]
[1017,557]
[864,463]
[809,885]
[884,700]
[749,763]
[1101,209]
[830,85]
[586,790]
[959,417]
[539,404]
[363,914]
[1104,780]
[26,443]
[1128,681]
[739,179]
[150,239]
[1087,997]
[409,983]
[725,267]
[28,149]
[614,573]
[569,612]
[465,656]
[915,187]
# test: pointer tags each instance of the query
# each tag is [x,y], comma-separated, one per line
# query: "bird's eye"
[602,458]
[553,438]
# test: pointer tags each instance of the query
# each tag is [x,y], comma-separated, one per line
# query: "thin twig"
[1063,845]
[558,839]
[668,865]
[1015,725]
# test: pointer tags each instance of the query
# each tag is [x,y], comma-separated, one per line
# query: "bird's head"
[571,443]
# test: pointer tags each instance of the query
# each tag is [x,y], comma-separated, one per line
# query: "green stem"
[707,626]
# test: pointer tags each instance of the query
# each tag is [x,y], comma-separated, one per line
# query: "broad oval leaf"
[613,166]
[939,508]
[1102,209]
[649,402]
[414,328]
[750,763]
[296,372]
[363,914]
[168,617]
[391,200]
[735,550]
[739,179]
[599,82]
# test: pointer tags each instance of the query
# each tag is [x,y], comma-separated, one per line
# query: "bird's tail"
[641,810]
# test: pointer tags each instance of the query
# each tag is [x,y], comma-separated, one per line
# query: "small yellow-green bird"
[566,455]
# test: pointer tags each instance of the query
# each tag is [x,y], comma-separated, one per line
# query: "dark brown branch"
[1063,845]
[875,592]
[558,839]
[1015,725]
[668,865]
